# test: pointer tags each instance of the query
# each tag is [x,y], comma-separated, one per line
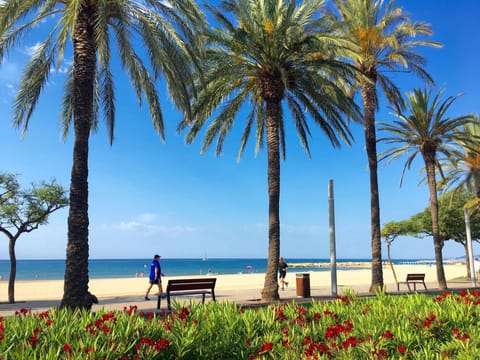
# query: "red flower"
[459,336]
[147,341]
[184,313]
[161,344]
[307,340]
[67,347]
[22,311]
[33,340]
[280,315]
[267,347]
[48,322]
[132,309]
[110,315]
[43,314]
[350,342]
[150,315]
[387,335]
[401,349]
[88,350]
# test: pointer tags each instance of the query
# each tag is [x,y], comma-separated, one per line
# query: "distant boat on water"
[205,258]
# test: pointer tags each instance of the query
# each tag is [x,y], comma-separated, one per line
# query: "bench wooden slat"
[190,286]
[201,286]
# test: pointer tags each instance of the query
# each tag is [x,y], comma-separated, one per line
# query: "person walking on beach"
[282,271]
[155,276]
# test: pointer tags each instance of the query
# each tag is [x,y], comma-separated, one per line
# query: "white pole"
[333,255]
[470,247]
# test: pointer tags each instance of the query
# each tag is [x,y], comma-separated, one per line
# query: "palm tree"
[424,128]
[387,39]
[463,168]
[263,55]
[158,28]
[462,171]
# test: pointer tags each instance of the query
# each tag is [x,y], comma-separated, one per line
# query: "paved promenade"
[246,297]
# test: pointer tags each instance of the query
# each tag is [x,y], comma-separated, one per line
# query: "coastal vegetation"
[24,210]
[424,128]
[270,58]
[387,43]
[156,32]
[415,326]
[267,58]
[451,223]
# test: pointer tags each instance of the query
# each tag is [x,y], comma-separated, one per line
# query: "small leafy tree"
[391,231]
[22,211]
[451,222]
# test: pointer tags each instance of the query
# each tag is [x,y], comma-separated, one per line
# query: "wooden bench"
[413,279]
[178,287]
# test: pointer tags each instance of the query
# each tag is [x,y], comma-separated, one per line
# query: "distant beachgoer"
[155,276]
[282,271]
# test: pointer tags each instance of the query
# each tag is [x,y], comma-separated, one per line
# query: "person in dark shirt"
[155,276]
[282,271]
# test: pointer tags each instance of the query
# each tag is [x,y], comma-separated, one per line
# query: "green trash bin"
[303,285]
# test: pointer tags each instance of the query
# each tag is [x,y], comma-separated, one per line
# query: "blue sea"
[122,268]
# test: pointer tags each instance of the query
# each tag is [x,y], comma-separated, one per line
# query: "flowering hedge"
[415,326]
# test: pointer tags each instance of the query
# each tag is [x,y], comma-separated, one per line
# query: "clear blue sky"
[151,197]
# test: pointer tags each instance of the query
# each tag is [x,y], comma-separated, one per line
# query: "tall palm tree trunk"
[76,293]
[369,100]
[437,241]
[270,288]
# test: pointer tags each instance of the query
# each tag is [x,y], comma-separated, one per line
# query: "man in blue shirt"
[155,276]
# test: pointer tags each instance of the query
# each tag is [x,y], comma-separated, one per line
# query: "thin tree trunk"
[76,293]
[389,244]
[369,100]
[437,241]
[270,288]
[13,270]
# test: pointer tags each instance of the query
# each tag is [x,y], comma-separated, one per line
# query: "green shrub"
[383,327]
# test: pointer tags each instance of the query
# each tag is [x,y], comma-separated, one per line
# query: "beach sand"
[115,294]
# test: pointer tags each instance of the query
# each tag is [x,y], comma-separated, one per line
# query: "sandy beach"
[117,293]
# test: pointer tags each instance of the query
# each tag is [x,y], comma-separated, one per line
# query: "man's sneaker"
[147,298]
[286,284]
